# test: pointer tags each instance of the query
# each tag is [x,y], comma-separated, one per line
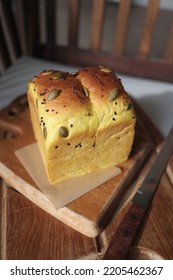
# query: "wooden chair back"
[93,32]
[9,39]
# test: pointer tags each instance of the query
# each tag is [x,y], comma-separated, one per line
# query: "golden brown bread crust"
[82,121]
[99,83]
[70,91]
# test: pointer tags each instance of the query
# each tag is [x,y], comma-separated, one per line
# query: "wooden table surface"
[28,232]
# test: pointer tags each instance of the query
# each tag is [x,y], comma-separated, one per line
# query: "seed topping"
[54,94]
[44,132]
[113,94]
[105,69]
[86,91]
[129,106]
[57,75]
[63,131]
[46,72]
[36,102]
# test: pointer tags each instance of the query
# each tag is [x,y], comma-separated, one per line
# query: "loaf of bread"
[82,121]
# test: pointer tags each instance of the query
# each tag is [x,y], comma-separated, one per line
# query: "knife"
[122,239]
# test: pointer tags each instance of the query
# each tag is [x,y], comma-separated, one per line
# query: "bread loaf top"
[67,104]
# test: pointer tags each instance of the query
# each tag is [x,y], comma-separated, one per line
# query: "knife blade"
[121,241]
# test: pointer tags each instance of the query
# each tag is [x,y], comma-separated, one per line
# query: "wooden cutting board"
[28,232]
[88,214]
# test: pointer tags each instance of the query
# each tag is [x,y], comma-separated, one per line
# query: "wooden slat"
[9,29]
[131,66]
[148,28]
[3,221]
[42,22]
[168,53]
[32,24]
[50,20]
[4,57]
[20,21]
[122,20]
[74,7]
[97,23]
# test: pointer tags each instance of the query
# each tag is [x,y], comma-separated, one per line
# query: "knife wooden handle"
[121,241]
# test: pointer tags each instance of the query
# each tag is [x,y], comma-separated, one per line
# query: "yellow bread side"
[99,131]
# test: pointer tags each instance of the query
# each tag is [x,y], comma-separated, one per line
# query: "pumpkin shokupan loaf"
[82,121]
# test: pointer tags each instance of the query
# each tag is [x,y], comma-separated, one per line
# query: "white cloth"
[155,97]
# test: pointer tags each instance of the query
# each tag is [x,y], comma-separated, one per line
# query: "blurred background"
[133,37]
